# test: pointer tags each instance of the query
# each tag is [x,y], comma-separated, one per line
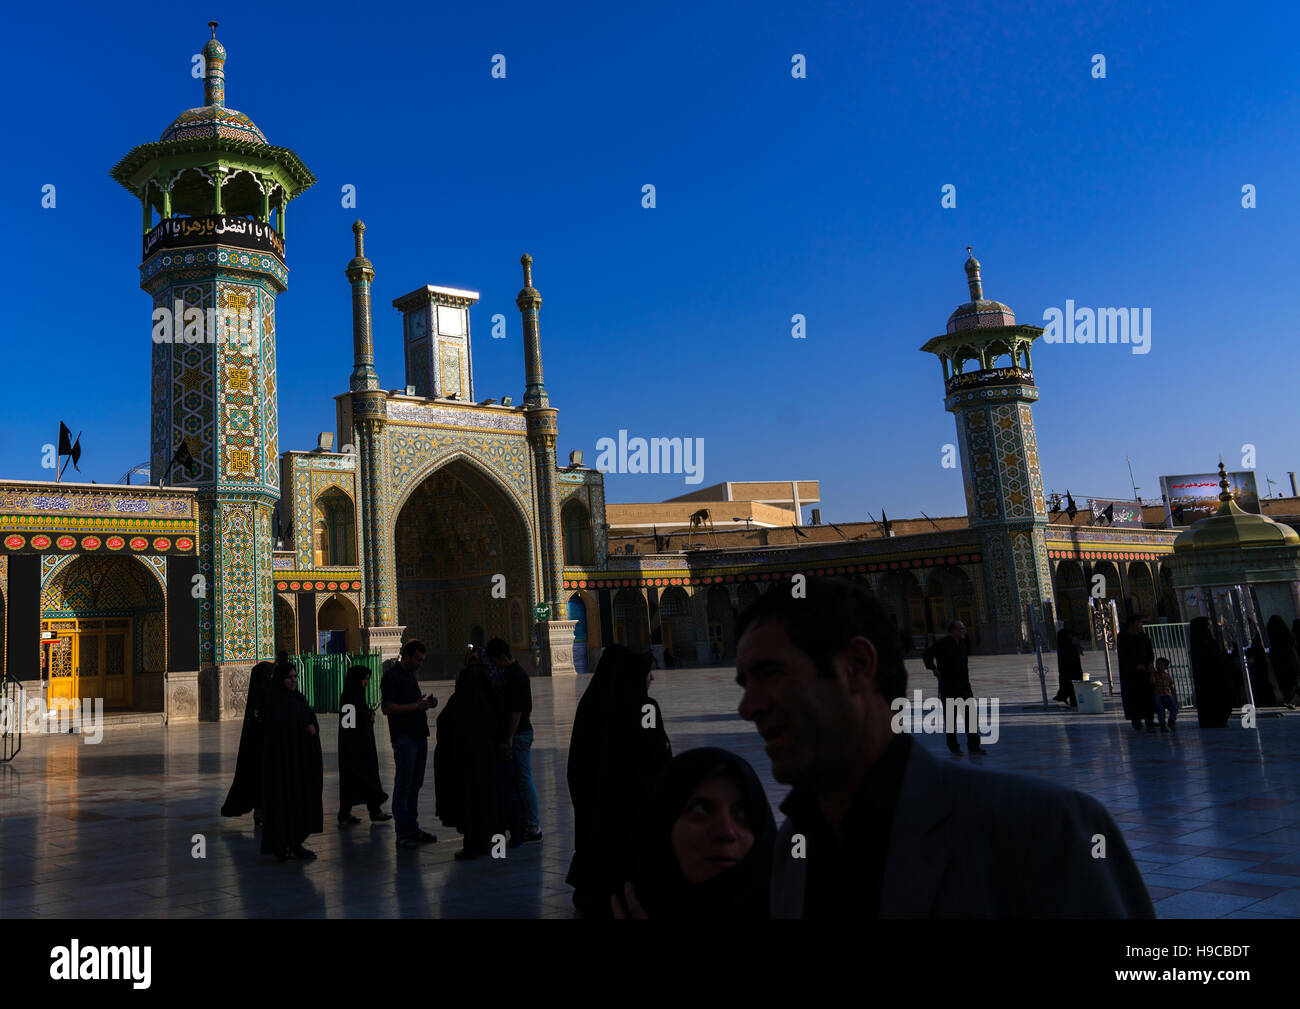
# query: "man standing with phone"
[408,728]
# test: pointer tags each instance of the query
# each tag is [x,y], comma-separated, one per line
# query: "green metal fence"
[1170,642]
[320,677]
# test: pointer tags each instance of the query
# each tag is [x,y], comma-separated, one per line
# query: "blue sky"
[775,196]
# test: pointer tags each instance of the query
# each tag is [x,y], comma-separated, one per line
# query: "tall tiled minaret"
[213,264]
[989,379]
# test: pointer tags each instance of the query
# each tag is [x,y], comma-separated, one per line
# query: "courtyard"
[110,830]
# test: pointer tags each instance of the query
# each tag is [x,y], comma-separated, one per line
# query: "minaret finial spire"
[529,302]
[214,72]
[973,276]
[360,273]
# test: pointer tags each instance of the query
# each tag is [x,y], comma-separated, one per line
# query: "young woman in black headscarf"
[465,760]
[246,790]
[358,758]
[705,847]
[1286,661]
[616,753]
[1212,674]
[292,769]
[1069,665]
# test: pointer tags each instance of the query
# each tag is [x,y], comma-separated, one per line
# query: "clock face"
[451,321]
[418,325]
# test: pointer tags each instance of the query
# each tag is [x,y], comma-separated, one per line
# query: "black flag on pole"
[184,458]
[68,446]
[1071,508]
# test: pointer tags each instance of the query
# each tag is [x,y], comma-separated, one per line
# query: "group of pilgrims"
[1218,682]
[646,838]
[279,773]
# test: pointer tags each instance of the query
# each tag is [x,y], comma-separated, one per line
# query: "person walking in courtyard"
[408,728]
[292,769]
[1213,674]
[358,756]
[616,753]
[1166,697]
[947,657]
[705,844]
[1285,659]
[246,790]
[878,828]
[1136,659]
[464,760]
[1069,665]
[517,735]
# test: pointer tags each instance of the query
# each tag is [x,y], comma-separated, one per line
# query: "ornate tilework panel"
[159,565]
[982,474]
[312,478]
[1013,468]
[239,384]
[192,402]
[207,602]
[414,452]
[1031,458]
[91,585]
[999,577]
[265,645]
[270,418]
[237,586]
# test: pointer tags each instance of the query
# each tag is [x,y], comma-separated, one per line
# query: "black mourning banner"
[215,229]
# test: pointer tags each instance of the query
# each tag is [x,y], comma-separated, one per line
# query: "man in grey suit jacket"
[876,827]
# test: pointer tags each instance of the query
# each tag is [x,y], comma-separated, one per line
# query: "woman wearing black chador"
[358,758]
[246,790]
[292,770]
[1212,675]
[616,753]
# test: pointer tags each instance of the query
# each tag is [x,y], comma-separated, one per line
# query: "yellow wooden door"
[62,681]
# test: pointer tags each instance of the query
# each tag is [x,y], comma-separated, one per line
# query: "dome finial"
[1225,495]
[973,276]
[213,26]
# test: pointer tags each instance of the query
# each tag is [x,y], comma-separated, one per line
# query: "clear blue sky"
[775,196]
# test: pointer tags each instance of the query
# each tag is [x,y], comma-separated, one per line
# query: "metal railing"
[1170,642]
[11,719]
[320,677]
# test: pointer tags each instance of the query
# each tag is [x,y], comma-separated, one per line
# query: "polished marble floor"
[108,830]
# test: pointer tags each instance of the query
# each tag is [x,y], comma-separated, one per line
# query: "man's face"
[413,661]
[958,631]
[810,722]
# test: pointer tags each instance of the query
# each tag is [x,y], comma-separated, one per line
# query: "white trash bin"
[1088,694]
